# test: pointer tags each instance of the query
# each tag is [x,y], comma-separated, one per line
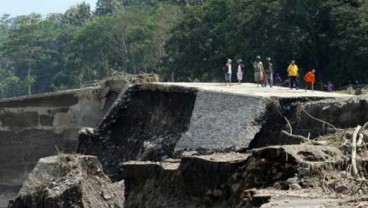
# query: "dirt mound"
[69,181]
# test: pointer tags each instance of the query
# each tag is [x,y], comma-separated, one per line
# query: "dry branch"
[353,151]
[288,122]
[322,121]
[296,137]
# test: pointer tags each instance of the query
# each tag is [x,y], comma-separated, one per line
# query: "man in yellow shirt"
[293,73]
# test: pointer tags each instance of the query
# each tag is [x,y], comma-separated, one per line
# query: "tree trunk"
[29,78]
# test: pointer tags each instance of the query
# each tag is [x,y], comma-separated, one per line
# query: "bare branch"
[322,121]
[353,151]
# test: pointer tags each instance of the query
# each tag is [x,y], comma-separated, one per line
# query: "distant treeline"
[184,40]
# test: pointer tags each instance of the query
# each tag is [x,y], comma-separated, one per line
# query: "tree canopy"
[183,40]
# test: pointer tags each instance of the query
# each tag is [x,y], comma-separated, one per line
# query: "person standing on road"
[277,79]
[228,71]
[293,73]
[310,79]
[258,71]
[240,72]
[269,72]
[329,86]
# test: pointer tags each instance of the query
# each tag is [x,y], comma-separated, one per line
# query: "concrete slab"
[251,89]
[222,120]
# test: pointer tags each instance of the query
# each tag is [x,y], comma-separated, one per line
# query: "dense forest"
[182,40]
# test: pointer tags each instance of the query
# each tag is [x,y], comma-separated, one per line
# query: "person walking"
[293,73]
[269,72]
[310,79]
[240,71]
[228,71]
[258,71]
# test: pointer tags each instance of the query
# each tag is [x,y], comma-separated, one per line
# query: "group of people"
[264,74]
[309,78]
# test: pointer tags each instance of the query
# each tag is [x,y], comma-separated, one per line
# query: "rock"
[358,91]
[292,180]
[189,153]
[343,174]
[235,176]
[104,92]
[235,187]
[69,181]
[277,186]
[295,186]
[303,171]
[106,195]
[217,193]
[341,188]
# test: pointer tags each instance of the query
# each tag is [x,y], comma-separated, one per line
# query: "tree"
[24,44]
[105,7]
[77,15]
[315,33]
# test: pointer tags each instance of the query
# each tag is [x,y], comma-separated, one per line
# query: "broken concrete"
[69,181]
[185,183]
[32,127]
[222,121]
[144,123]
[216,122]
[221,180]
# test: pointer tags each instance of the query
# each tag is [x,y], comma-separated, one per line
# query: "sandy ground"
[254,90]
[309,198]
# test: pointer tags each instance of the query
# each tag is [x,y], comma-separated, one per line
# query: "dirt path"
[305,198]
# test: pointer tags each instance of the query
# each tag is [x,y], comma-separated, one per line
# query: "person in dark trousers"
[228,72]
[310,79]
[293,72]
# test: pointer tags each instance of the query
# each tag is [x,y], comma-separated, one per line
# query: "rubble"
[69,181]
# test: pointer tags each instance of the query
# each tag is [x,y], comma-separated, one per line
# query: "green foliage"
[327,35]
[107,7]
[185,40]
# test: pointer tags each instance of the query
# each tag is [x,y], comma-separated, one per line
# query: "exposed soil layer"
[69,181]
[213,181]
[308,117]
[144,124]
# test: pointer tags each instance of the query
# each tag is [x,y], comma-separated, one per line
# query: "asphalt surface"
[251,89]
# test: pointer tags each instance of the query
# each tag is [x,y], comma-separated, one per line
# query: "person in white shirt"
[228,71]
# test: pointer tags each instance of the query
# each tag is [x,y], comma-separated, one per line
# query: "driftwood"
[354,150]
[288,122]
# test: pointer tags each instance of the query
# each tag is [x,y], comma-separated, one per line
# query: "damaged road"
[178,146]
